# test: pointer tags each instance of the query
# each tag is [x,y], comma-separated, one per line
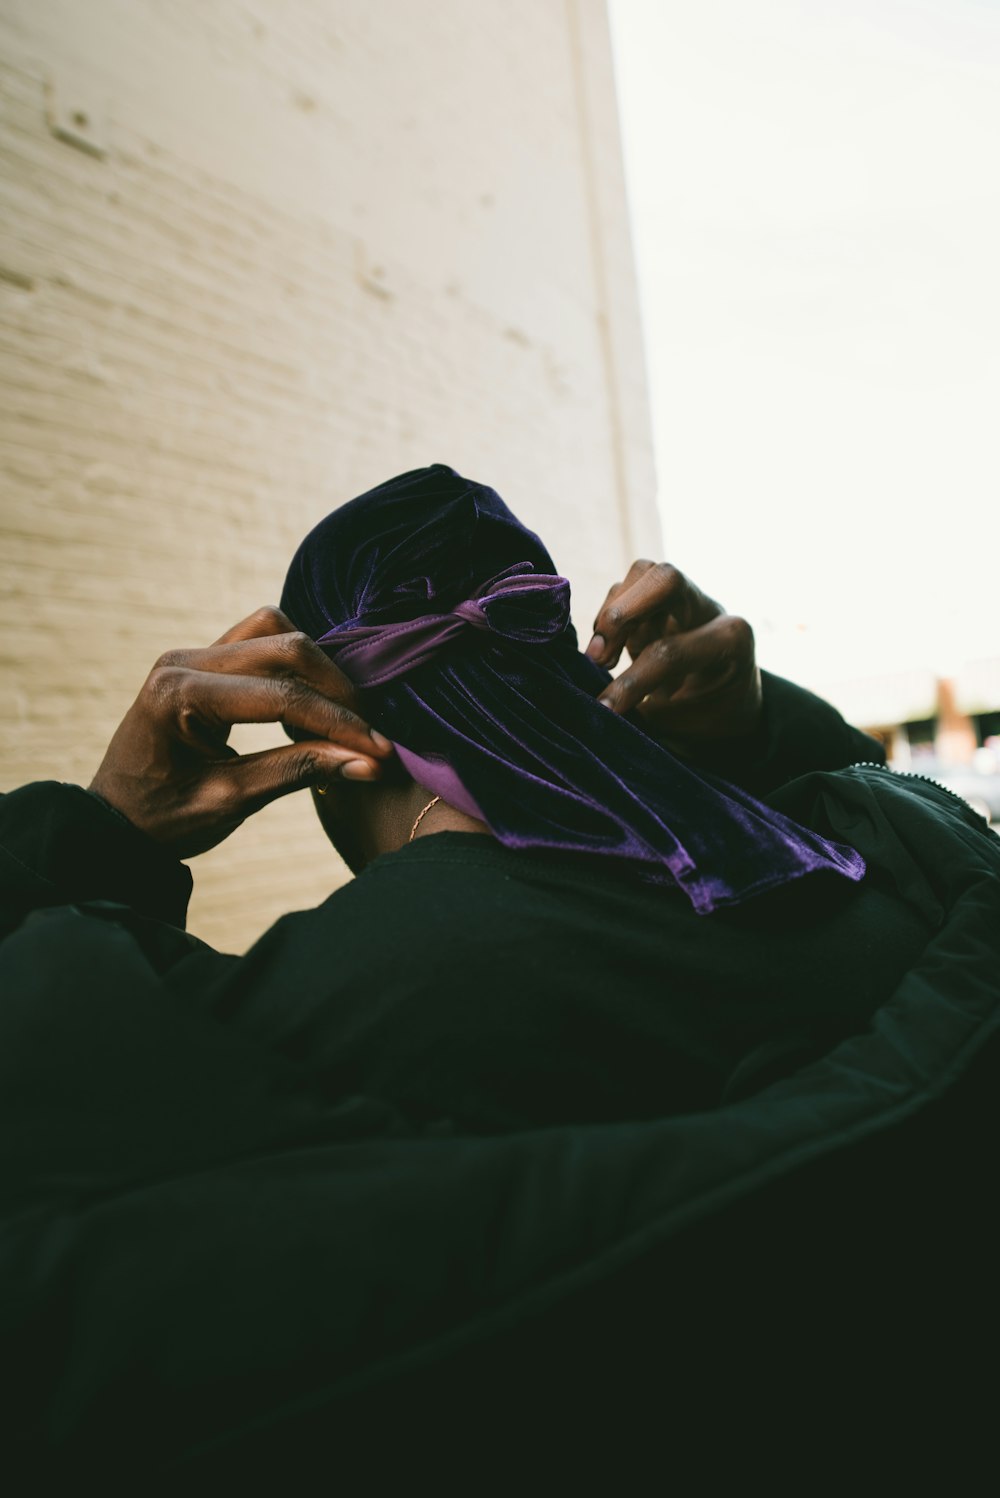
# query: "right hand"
[694,674]
[169,768]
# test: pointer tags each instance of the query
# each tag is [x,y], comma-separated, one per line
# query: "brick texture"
[253,260]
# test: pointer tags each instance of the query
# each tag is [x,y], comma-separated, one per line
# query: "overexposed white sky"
[815,191]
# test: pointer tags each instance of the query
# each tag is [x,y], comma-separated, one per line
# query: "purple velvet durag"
[450,617]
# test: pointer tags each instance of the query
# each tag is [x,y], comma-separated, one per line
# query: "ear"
[341,825]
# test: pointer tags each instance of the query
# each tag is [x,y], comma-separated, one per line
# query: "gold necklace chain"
[426,809]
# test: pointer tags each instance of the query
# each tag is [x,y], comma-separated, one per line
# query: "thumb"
[251,781]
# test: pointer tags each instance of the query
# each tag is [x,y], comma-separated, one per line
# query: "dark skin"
[694,674]
[169,768]
[362,822]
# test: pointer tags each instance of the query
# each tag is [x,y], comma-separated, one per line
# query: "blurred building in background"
[930,693]
[254,259]
[943,725]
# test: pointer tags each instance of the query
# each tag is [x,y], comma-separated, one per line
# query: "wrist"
[70,846]
[110,806]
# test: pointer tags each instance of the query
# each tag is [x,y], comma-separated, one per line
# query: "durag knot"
[518,604]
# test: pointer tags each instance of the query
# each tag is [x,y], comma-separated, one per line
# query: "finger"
[653,628]
[657,627]
[294,766]
[659,667]
[204,705]
[697,663]
[597,649]
[650,588]
[267,620]
[290,655]
[243,785]
[598,643]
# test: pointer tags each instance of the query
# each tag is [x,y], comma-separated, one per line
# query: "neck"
[441,817]
[364,821]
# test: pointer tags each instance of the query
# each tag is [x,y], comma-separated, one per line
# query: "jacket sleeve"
[61,845]
[798,732]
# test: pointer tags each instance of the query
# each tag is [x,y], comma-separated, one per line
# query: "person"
[656,1032]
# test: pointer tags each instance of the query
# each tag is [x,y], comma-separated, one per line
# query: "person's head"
[448,615]
[416,548]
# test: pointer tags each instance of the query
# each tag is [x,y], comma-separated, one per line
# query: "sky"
[815,197]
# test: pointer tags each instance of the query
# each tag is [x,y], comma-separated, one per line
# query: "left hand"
[694,674]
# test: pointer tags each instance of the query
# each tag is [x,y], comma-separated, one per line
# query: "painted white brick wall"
[324,241]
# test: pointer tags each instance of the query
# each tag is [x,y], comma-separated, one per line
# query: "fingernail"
[379,739]
[606,702]
[358,769]
[597,647]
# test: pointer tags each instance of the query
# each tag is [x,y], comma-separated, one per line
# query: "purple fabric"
[437,776]
[517,604]
[449,615]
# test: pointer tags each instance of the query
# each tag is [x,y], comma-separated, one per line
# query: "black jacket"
[494,1151]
